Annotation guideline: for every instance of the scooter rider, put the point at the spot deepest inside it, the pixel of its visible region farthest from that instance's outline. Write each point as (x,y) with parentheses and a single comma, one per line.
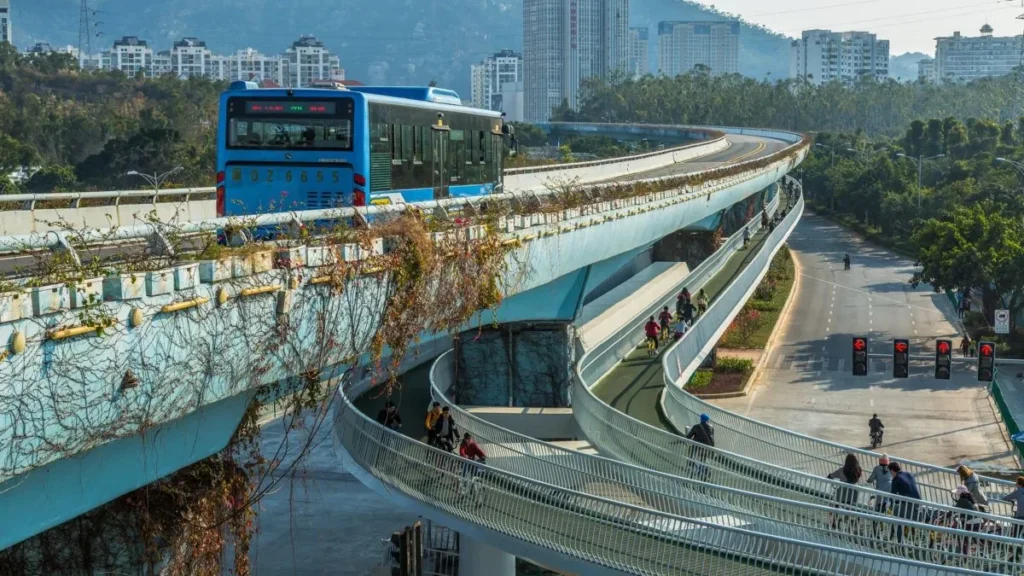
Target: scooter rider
(876,425)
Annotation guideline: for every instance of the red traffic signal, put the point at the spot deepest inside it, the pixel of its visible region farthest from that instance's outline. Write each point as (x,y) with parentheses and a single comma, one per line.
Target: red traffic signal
(943,360)
(986,349)
(859,344)
(900,358)
(860,356)
(943,347)
(901,346)
(986,361)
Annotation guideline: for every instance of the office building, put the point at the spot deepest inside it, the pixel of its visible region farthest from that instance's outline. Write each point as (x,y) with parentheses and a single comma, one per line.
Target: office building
(926,70)
(821,56)
(489,77)
(639,46)
(962,59)
(6,34)
(566,42)
(685,46)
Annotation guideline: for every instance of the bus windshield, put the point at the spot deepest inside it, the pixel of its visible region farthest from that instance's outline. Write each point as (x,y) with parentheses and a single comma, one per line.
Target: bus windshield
(290,124)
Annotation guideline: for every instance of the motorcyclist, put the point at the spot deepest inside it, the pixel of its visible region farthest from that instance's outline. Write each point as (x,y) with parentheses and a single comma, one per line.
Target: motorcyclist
(846,261)
(876,426)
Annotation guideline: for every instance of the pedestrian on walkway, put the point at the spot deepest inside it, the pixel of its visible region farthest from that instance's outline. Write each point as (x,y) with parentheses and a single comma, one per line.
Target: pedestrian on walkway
(850,473)
(433,415)
(764,219)
(973,484)
(746,237)
(1017,498)
(904,484)
(388,416)
(965,345)
(701,433)
(882,480)
(445,431)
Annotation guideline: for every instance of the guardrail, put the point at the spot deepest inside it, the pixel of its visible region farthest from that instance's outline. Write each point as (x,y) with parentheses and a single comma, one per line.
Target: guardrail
(694,493)
(601,531)
(765,442)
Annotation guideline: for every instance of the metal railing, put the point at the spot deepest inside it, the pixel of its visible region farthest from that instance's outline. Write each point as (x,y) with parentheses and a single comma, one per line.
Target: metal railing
(604,532)
(765,442)
(702,489)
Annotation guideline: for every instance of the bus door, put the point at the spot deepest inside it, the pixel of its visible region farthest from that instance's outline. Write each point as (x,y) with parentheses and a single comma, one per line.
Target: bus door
(497,159)
(439,138)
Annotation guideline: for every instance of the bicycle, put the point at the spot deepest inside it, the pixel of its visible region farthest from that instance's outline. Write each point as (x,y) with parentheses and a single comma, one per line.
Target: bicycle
(652,348)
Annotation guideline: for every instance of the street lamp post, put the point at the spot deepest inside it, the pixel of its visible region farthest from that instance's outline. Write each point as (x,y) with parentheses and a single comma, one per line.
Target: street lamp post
(920,160)
(155,180)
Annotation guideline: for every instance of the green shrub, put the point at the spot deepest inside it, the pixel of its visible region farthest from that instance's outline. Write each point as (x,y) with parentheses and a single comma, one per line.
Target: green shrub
(762,305)
(700,379)
(766,289)
(734,366)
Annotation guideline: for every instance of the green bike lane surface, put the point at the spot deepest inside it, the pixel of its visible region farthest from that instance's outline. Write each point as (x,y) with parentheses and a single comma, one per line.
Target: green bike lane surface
(634,385)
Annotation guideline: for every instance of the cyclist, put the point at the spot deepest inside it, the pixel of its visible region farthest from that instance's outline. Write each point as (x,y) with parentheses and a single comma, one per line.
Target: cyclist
(687,312)
(665,319)
(389,417)
(875,425)
(702,302)
(680,330)
(1017,498)
(651,329)
(683,298)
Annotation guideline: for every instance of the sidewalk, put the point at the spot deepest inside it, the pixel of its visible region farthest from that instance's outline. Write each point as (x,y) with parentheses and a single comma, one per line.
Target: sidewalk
(634,386)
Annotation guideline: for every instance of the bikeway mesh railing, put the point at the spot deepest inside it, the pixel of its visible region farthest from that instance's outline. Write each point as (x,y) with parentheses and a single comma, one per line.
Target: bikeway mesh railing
(601,531)
(765,442)
(694,495)
(619,435)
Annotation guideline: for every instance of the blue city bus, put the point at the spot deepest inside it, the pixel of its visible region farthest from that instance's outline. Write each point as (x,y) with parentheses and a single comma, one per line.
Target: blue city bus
(304,149)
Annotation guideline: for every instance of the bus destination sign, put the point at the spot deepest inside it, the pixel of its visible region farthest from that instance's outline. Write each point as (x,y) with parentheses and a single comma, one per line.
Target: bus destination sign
(268,107)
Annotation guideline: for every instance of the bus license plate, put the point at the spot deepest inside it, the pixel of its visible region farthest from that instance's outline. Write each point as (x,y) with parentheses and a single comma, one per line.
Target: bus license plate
(287,176)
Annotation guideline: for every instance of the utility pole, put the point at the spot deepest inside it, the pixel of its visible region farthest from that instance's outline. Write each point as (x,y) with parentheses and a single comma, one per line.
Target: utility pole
(84,33)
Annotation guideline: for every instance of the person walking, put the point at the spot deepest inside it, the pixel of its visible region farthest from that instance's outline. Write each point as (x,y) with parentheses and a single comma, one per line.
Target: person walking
(850,473)
(445,431)
(882,481)
(965,345)
(388,416)
(746,237)
(433,415)
(1017,498)
(702,302)
(973,484)
(904,484)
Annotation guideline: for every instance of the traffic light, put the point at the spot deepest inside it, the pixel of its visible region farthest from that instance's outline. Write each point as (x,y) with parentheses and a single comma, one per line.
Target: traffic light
(943,359)
(860,356)
(986,361)
(900,358)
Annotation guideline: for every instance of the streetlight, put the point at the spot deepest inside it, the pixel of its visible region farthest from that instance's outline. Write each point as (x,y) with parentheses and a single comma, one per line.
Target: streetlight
(1017,165)
(155,180)
(920,160)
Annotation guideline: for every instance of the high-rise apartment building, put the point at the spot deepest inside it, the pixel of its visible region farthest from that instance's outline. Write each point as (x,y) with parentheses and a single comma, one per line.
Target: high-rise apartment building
(684,46)
(132,56)
(5,22)
(191,58)
(926,70)
(491,74)
(566,42)
(821,56)
(309,60)
(962,59)
(639,47)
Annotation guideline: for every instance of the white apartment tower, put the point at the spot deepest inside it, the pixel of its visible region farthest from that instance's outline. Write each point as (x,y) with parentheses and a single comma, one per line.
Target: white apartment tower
(132,56)
(962,59)
(491,74)
(5,22)
(821,56)
(639,46)
(683,46)
(190,57)
(926,70)
(308,60)
(566,42)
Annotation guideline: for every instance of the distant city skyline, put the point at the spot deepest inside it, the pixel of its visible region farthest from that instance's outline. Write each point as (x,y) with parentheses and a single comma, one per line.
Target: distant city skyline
(910,25)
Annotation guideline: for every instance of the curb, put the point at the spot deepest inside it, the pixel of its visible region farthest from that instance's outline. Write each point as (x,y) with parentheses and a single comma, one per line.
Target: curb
(783,318)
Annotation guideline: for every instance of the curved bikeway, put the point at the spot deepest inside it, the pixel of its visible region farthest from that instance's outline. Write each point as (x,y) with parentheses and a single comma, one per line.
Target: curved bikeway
(741,148)
(808,386)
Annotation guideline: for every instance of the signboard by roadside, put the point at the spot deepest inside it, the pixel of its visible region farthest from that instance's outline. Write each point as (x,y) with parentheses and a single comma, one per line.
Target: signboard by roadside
(1002,321)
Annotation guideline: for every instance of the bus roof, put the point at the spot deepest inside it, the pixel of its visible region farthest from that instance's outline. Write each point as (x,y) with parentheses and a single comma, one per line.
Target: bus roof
(411,96)
(424,93)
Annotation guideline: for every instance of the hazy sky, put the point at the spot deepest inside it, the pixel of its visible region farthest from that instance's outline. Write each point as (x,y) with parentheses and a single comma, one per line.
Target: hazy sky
(909,25)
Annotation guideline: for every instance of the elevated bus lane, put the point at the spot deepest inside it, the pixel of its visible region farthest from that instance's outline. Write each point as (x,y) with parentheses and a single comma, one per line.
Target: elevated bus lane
(741,148)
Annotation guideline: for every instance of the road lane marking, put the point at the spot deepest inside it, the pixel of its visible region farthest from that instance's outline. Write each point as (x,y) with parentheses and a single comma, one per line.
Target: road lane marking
(921,308)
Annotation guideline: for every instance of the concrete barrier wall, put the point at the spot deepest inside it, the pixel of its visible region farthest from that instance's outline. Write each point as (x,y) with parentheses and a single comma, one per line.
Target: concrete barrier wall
(42,220)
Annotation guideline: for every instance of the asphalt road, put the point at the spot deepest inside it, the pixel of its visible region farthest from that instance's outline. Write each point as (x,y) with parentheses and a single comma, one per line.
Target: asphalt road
(742,148)
(808,384)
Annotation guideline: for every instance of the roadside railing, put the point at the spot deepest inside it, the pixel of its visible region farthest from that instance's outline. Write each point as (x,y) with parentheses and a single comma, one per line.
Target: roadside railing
(633,539)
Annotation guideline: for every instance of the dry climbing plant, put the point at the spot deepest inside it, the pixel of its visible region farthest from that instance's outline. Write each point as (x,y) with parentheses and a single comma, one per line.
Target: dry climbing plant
(359,315)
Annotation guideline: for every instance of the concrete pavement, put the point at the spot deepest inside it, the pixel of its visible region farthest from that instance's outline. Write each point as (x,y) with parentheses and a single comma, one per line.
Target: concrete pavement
(742,148)
(808,385)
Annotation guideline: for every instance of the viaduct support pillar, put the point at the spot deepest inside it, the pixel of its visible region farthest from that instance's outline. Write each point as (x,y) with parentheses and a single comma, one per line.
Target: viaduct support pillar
(475,557)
